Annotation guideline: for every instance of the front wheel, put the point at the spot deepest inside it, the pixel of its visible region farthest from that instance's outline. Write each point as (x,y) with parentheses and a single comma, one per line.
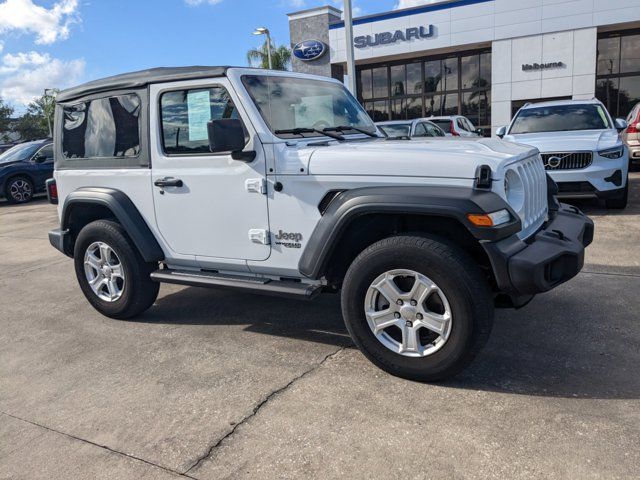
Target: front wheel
(111,272)
(417,307)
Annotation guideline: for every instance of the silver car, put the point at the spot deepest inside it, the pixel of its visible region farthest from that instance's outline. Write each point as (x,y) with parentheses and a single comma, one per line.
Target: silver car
(631,135)
(418,128)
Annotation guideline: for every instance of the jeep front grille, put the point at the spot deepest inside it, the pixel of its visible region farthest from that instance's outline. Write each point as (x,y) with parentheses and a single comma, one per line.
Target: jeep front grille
(534,180)
(567,160)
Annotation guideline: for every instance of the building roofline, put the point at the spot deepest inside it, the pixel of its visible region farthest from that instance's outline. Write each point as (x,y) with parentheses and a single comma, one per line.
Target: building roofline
(312,12)
(405,12)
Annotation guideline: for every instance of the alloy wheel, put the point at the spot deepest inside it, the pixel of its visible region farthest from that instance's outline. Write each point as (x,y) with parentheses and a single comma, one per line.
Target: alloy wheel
(104,272)
(408,313)
(20,190)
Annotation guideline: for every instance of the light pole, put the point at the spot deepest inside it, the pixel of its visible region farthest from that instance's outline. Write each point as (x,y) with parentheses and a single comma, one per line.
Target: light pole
(265,31)
(45,108)
(348,30)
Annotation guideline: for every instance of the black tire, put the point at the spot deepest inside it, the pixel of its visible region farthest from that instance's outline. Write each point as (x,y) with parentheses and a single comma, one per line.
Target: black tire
(620,202)
(139,291)
(19,190)
(458,277)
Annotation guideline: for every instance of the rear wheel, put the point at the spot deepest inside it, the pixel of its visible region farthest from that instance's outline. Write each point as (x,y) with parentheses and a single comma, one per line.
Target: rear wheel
(111,272)
(417,307)
(19,190)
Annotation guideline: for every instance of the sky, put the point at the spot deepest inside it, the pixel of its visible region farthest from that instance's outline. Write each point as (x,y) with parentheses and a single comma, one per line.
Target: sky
(61,43)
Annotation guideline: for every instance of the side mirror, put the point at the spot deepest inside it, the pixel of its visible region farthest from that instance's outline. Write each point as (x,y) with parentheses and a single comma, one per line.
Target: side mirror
(620,124)
(228,135)
(501,132)
(480,132)
(39,158)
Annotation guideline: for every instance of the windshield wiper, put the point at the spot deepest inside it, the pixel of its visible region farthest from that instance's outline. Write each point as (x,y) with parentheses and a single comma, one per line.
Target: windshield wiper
(343,128)
(302,131)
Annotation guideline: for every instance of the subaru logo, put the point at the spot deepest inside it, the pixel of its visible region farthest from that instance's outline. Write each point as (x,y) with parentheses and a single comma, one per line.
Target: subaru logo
(310,50)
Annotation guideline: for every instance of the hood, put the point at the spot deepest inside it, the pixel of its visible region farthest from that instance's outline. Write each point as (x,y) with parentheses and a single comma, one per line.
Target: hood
(429,157)
(581,140)
(6,163)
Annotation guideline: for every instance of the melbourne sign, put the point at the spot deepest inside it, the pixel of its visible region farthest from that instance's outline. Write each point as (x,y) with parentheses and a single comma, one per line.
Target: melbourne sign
(529,67)
(386,38)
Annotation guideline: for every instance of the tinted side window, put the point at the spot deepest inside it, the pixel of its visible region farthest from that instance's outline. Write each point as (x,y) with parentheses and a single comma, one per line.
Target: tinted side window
(433,131)
(420,131)
(102,128)
(185,115)
(47,153)
(462,125)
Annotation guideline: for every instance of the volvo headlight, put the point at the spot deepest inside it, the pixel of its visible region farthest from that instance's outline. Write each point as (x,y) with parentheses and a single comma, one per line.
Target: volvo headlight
(612,153)
(514,190)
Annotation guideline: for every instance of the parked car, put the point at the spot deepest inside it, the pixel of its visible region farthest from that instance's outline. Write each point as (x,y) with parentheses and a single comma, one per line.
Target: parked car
(631,135)
(457,126)
(24,169)
(278,183)
(580,145)
(418,128)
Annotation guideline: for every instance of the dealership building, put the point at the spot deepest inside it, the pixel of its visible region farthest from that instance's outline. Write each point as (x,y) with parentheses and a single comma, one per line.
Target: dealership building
(480,58)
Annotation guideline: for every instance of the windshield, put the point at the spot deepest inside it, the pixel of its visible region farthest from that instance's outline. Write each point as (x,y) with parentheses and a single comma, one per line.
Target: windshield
(398,130)
(561,118)
(19,152)
(287,103)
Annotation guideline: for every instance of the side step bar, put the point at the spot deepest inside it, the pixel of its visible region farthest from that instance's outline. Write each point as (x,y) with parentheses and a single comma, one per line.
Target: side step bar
(248,284)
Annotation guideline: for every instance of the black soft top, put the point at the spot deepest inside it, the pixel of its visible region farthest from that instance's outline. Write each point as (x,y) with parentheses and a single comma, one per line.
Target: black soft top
(141,79)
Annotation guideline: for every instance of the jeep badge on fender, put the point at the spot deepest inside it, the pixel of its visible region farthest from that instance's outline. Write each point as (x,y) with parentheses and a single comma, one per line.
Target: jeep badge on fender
(417,245)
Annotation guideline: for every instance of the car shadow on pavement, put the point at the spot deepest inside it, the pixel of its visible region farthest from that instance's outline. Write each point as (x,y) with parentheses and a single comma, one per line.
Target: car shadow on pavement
(319,321)
(566,353)
(596,207)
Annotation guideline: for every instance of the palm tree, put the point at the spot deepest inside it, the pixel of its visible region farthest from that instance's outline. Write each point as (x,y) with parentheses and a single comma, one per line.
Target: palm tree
(280,57)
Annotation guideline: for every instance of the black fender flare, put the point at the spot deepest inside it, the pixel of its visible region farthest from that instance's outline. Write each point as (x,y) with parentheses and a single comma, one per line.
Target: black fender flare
(451,202)
(123,210)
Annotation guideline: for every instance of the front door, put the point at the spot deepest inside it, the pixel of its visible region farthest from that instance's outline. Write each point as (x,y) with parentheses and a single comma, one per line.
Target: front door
(206,204)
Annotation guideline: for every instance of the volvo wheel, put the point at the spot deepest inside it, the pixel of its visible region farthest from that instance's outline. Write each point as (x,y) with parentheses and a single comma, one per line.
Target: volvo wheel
(19,190)
(417,307)
(112,274)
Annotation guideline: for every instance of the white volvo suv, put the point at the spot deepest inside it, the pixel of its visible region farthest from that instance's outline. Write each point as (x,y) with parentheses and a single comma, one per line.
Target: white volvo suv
(580,146)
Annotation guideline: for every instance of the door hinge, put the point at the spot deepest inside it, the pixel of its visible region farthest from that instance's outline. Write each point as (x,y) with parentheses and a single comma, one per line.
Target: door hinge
(256,185)
(260,236)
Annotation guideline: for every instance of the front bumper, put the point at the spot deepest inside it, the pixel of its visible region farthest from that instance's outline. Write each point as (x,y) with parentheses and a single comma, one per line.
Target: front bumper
(549,258)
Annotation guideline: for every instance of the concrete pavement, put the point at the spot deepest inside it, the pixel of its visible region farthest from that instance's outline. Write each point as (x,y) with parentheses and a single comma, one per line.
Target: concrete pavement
(216,384)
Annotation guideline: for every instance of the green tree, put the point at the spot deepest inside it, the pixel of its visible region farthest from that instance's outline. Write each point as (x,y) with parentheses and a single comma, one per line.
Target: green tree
(6,113)
(280,57)
(35,122)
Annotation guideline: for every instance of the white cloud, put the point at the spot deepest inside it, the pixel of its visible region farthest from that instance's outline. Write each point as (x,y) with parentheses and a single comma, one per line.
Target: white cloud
(414,3)
(202,2)
(47,24)
(26,75)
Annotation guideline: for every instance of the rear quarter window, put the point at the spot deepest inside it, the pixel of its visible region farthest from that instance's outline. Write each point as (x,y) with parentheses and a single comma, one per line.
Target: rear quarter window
(102,128)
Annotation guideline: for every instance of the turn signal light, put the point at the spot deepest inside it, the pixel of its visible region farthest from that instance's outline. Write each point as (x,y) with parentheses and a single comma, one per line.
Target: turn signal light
(489,219)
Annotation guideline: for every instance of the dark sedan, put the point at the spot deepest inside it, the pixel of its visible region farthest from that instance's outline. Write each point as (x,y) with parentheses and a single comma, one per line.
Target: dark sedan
(24,169)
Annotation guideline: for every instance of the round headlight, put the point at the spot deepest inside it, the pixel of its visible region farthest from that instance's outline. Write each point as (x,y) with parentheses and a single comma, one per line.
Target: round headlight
(514,190)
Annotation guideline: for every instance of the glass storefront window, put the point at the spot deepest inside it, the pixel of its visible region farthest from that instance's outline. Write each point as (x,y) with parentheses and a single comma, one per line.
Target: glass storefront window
(414,78)
(470,71)
(609,56)
(451,85)
(630,54)
(366,85)
(618,77)
(398,80)
(380,82)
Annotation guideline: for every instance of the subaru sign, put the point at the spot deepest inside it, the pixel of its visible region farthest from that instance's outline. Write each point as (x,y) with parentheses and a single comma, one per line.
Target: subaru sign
(386,38)
(310,50)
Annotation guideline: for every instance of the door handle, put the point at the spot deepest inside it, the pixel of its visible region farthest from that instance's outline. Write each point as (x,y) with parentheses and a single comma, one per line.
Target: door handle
(168,182)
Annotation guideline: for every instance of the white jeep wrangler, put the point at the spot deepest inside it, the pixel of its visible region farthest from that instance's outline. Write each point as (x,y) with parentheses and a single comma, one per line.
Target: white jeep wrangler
(279,183)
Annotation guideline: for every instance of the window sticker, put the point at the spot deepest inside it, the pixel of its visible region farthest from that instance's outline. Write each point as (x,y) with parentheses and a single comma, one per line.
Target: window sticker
(199,108)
